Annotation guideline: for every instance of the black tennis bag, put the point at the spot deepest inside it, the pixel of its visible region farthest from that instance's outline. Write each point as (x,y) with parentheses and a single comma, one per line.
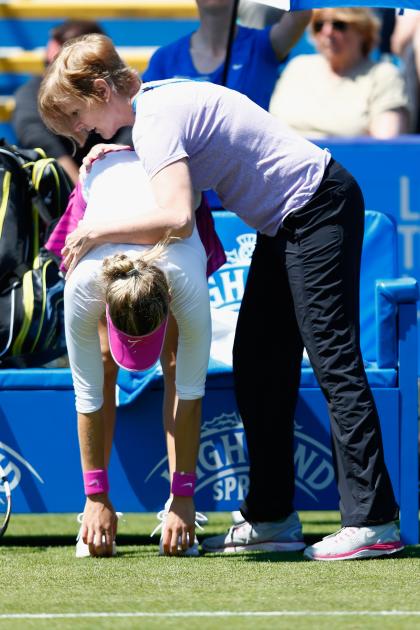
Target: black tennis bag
(34,191)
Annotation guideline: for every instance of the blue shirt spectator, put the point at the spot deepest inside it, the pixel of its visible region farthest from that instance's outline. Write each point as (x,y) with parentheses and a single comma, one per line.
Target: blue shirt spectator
(253,68)
(255,55)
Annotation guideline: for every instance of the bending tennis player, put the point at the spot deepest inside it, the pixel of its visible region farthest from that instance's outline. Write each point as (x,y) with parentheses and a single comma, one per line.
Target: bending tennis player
(135,287)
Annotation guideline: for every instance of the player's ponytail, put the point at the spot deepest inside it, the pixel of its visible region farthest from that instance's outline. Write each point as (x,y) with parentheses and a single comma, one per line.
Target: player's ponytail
(136,290)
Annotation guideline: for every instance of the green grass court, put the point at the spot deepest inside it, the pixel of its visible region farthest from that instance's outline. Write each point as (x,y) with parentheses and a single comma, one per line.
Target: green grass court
(39,575)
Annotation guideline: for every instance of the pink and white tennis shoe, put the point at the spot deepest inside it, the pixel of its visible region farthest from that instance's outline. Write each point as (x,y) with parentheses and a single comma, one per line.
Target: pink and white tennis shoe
(352,543)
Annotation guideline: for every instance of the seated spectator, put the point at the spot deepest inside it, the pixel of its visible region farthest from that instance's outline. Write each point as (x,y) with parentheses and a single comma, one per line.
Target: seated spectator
(405,42)
(255,56)
(26,121)
(341,91)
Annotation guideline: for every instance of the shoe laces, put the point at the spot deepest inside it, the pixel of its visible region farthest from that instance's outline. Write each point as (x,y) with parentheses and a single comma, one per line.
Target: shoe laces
(245,527)
(80,516)
(341,534)
(200,519)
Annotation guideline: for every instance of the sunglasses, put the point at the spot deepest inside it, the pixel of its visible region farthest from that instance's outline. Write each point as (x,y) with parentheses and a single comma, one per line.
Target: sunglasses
(337,25)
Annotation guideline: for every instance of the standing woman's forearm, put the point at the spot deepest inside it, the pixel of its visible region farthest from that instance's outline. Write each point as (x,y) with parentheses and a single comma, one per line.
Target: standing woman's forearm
(146,229)
(173,215)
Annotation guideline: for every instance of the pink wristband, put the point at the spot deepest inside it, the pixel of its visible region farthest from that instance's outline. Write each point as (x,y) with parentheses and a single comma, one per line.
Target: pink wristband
(96,482)
(183,484)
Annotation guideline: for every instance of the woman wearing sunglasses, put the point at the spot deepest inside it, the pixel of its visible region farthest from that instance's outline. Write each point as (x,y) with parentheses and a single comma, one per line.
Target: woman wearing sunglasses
(340,91)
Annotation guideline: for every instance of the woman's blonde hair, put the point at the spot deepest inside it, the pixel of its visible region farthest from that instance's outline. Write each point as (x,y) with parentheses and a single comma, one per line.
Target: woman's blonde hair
(361,18)
(71,76)
(136,291)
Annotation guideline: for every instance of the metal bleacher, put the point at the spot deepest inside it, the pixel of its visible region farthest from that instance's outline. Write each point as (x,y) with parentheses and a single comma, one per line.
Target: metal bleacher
(137,27)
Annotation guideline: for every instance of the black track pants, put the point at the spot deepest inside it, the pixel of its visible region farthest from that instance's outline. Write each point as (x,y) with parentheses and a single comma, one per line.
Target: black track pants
(303,290)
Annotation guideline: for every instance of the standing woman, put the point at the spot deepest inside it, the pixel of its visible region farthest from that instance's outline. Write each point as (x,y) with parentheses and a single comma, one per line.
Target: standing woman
(303,282)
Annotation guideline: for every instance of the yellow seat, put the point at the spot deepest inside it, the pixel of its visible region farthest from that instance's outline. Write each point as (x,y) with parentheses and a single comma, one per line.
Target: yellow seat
(96,9)
(19,61)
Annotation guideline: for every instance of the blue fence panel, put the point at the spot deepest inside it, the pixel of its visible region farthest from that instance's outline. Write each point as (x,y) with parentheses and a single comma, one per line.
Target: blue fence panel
(40,454)
(388,173)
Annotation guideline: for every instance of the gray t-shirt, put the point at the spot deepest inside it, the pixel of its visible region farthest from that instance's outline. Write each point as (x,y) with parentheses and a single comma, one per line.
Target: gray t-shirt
(260,169)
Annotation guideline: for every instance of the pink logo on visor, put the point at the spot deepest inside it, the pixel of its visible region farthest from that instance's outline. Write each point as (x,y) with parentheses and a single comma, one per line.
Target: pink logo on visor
(136,354)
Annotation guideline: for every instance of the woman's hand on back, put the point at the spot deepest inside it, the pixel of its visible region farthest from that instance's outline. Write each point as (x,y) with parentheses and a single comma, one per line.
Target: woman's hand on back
(97,153)
(78,243)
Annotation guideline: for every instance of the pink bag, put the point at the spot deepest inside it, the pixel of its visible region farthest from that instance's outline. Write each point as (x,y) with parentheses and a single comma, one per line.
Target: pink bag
(216,256)
(68,222)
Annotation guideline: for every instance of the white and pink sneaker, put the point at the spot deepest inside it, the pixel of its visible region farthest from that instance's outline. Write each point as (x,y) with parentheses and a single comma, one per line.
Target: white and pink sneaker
(352,543)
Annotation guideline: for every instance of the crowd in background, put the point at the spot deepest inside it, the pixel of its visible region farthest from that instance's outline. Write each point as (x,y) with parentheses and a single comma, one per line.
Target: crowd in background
(362,78)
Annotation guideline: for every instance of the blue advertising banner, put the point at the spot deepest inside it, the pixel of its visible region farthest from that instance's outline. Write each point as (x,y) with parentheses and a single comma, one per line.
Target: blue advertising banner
(38,442)
(388,174)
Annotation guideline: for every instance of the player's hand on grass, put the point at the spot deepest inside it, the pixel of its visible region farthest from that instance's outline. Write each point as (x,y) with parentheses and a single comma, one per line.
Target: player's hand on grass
(99,525)
(180,526)
(97,153)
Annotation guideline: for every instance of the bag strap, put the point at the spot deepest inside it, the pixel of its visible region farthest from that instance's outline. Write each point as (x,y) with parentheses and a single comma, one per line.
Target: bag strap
(22,156)
(40,205)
